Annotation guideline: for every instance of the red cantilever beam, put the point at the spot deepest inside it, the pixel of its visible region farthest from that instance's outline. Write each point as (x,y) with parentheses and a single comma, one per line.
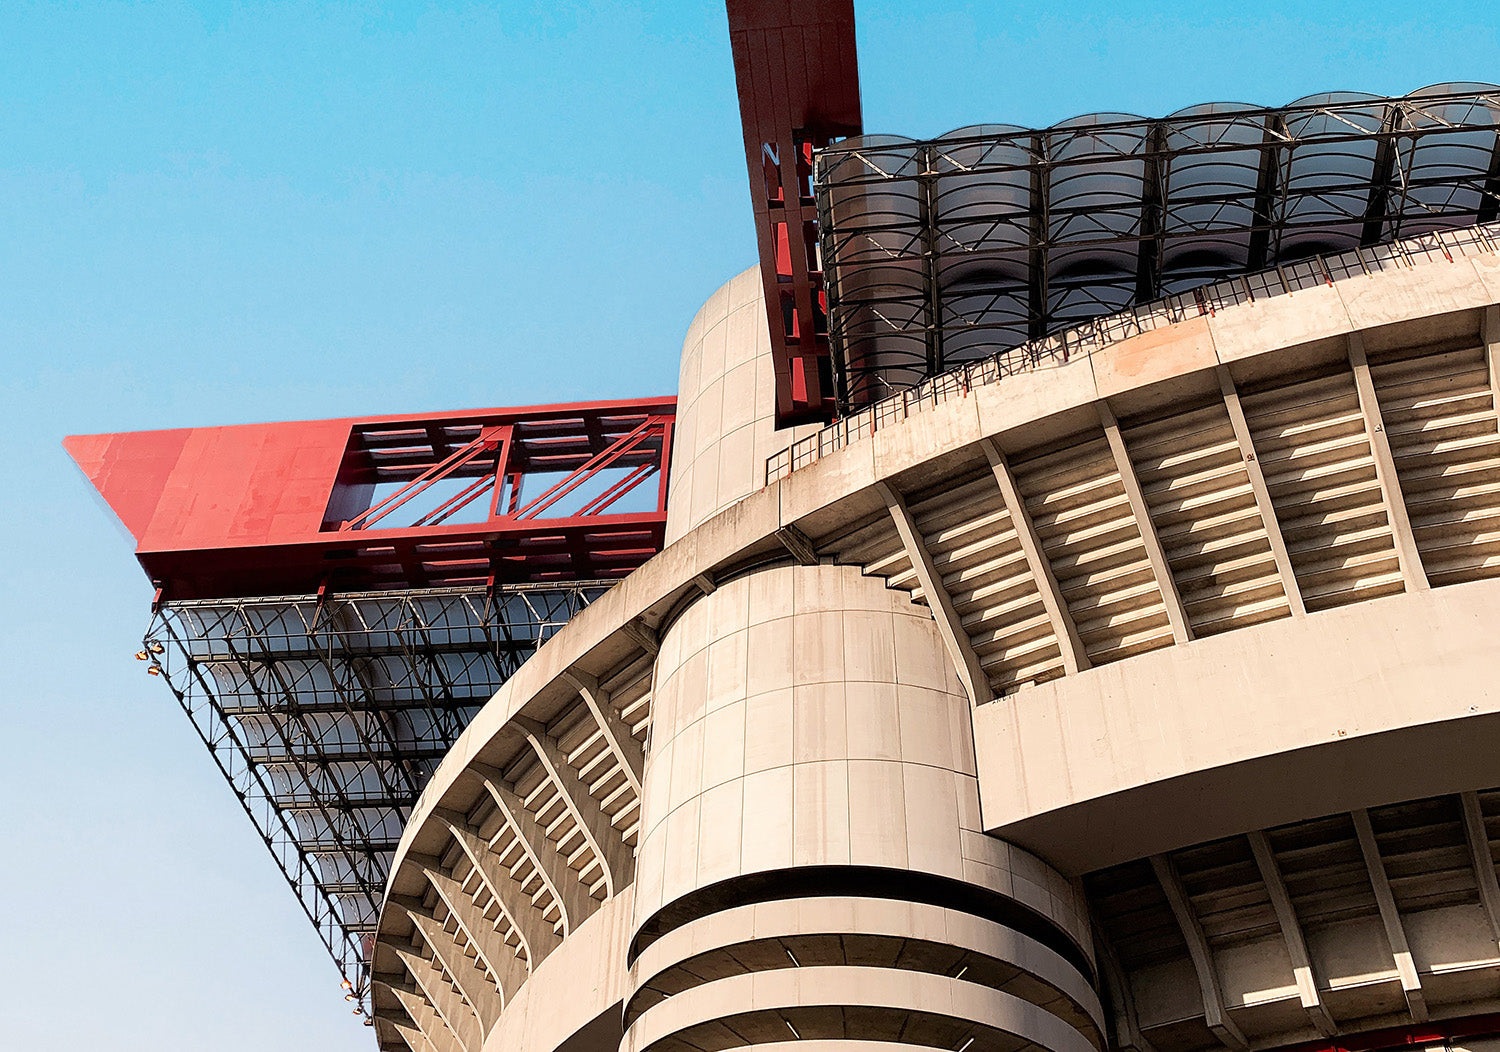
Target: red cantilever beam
(259,509)
(598,462)
(488,439)
(797,75)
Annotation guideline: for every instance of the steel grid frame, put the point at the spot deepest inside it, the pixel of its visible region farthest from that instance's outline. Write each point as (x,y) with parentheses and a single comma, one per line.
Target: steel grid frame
(327,715)
(1094,335)
(473,499)
(946,251)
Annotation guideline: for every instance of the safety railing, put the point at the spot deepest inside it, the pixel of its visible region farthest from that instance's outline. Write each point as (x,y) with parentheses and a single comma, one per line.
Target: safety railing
(1081,341)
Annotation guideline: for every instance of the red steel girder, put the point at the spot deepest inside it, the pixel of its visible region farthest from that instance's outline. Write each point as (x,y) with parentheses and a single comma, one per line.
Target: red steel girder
(289,508)
(617,451)
(490,439)
(797,75)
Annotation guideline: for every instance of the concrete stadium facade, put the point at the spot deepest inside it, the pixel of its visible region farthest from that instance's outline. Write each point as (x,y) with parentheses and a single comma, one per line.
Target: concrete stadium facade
(1143,700)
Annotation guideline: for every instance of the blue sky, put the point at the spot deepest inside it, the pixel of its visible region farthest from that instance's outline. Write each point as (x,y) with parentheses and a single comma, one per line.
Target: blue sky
(219,213)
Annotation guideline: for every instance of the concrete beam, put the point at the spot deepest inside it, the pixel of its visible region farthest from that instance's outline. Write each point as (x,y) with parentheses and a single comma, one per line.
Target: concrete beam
(1407,554)
(603,838)
(498,956)
(413,1036)
(626,750)
(1489,335)
(565,885)
(1074,657)
(1484,862)
(1395,932)
(1222,1026)
(643,634)
(431,1026)
(1263,502)
(1291,933)
(798,543)
(450,1006)
(1182,632)
(536,935)
(960,648)
(481,994)
(1127,1030)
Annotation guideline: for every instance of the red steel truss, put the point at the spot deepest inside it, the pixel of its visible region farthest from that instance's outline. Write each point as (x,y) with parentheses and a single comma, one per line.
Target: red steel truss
(482,498)
(798,80)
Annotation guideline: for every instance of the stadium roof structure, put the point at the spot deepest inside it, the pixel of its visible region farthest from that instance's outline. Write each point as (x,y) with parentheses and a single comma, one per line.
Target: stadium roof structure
(335,599)
(797,72)
(887,260)
(939,252)
(479,498)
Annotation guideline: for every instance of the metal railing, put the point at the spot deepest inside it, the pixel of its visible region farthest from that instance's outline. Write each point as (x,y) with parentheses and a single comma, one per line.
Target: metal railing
(1081,341)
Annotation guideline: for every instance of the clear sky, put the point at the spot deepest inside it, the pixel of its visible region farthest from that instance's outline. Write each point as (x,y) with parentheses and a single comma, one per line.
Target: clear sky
(220,213)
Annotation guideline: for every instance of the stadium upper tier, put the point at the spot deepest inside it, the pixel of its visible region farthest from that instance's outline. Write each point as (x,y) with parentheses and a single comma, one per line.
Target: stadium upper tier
(1140,701)
(941,251)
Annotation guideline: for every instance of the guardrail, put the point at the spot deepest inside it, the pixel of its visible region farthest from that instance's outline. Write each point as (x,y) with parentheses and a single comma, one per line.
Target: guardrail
(1099,333)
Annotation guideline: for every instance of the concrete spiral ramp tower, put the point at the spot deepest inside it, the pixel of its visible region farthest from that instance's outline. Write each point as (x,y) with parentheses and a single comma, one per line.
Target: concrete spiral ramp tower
(812,865)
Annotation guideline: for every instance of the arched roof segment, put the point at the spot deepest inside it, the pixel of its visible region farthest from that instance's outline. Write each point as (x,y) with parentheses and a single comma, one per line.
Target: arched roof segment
(945,250)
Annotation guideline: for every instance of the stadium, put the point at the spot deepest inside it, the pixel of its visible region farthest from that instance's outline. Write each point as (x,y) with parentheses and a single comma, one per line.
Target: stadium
(1054,613)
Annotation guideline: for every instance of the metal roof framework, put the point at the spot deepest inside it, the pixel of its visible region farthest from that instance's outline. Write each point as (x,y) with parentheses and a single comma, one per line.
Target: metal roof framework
(336,599)
(944,251)
(796,71)
(469,499)
(327,716)
(1095,334)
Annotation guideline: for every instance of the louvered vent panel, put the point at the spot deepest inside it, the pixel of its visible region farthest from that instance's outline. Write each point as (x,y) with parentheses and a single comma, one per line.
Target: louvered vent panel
(1083,519)
(1439,412)
(1315,454)
(974,547)
(1193,476)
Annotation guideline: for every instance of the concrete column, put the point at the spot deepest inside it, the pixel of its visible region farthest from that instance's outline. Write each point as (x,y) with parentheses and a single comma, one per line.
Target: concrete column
(810,839)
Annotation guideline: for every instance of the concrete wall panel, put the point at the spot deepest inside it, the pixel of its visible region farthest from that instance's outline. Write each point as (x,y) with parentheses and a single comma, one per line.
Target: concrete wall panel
(1313,706)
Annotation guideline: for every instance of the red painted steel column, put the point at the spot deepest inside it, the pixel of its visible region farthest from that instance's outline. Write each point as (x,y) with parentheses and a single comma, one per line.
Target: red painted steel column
(798,79)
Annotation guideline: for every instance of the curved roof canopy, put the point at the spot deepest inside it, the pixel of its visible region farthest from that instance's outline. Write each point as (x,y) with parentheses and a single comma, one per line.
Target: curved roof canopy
(942,251)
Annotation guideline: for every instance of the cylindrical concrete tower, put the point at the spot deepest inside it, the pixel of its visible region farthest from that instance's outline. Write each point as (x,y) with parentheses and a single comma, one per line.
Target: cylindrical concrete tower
(811,862)
(726,407)
(812,865)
